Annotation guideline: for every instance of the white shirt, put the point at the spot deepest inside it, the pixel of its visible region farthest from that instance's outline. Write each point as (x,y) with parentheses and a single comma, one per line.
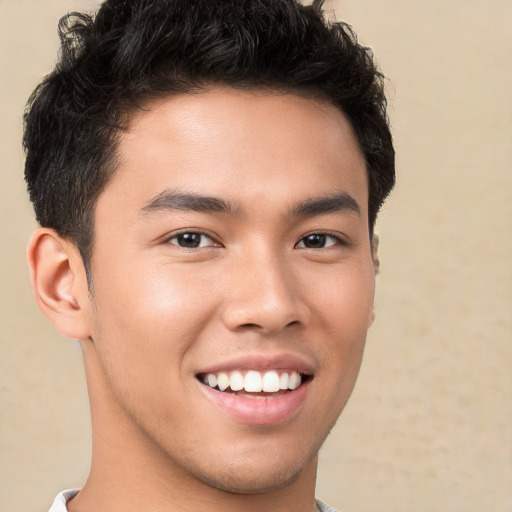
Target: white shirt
(59,504)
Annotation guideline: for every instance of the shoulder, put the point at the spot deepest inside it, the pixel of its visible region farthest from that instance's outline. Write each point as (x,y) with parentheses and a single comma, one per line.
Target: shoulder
(59,504)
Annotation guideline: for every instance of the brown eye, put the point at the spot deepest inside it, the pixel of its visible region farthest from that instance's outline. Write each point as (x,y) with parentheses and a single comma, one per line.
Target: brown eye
(191,240)
(317,241)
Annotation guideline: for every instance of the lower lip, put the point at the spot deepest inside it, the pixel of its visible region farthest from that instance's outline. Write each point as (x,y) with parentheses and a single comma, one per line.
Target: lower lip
(259,411)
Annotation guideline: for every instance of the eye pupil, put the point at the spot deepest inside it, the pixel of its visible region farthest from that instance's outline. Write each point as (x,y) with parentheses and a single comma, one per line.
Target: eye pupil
(189,240)
(315,241)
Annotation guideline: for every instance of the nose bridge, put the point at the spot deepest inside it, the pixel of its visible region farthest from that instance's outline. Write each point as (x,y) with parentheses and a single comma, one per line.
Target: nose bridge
(263,292)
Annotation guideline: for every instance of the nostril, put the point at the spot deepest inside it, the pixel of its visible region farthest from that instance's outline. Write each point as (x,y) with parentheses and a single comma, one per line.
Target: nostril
(269,311)
(250,326)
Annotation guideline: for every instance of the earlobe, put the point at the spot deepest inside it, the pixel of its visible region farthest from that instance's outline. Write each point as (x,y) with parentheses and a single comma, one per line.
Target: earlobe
(59,282)
(372,317)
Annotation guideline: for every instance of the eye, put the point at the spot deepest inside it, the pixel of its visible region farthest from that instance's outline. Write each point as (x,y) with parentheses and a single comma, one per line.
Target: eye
(191,240)
(318,241)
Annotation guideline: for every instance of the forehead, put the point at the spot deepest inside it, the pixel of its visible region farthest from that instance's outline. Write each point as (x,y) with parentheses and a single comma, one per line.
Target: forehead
(245,143)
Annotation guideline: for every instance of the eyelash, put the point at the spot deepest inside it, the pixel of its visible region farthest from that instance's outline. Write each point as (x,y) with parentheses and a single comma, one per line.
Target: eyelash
(201,234)
(336,240)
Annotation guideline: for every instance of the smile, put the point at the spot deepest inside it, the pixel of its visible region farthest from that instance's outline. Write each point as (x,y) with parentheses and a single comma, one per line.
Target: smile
(254,382)
(258,390)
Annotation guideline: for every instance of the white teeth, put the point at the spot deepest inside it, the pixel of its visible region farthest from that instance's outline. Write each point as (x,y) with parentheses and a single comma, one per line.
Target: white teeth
(270,382)
(283,381)
(294,382)
(223,381)
(254,381)
(236,381)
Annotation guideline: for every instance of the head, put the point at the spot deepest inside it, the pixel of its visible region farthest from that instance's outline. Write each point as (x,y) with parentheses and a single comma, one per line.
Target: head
(218,168)
(130,52)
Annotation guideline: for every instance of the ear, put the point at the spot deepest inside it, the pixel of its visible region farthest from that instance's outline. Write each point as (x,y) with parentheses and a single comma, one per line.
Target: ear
(376,269)
(59,281)
(375,253)
(371,319)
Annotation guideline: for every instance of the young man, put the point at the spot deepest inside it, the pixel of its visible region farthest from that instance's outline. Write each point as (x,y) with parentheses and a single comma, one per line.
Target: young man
(207,175)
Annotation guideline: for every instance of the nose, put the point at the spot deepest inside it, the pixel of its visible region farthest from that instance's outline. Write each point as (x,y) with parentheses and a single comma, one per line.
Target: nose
(265,295)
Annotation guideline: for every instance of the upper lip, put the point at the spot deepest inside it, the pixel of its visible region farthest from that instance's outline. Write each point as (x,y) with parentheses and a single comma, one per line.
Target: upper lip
(261,362)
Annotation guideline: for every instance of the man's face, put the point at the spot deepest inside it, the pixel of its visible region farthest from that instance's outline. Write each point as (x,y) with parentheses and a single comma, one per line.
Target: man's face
(232,245)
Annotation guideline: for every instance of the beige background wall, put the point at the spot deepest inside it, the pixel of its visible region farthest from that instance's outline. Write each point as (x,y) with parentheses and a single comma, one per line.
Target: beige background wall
(429,427)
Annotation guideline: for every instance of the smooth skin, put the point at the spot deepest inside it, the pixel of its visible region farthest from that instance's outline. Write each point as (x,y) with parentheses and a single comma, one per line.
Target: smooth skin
(177,290)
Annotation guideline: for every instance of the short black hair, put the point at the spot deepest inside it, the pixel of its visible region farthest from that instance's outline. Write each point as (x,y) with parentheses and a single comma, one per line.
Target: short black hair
(134,50)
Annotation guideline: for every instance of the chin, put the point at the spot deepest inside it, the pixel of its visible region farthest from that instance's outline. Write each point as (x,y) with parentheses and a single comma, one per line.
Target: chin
(257,471)
(250,480)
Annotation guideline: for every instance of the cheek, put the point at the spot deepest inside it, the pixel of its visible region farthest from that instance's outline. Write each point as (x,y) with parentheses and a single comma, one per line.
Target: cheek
(343,314)
(343,300)
(146,323)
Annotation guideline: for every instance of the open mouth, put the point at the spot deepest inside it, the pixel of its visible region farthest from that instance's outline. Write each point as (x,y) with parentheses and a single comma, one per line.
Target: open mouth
(254,383)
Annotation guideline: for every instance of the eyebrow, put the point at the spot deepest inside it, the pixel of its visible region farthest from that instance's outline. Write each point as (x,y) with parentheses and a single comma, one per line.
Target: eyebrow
(332,203)
(169,200)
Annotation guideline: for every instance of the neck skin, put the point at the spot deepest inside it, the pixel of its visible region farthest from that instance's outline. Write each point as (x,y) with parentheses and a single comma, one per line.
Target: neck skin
(128,473)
